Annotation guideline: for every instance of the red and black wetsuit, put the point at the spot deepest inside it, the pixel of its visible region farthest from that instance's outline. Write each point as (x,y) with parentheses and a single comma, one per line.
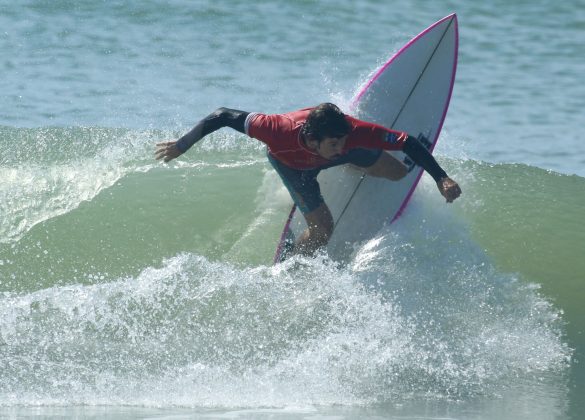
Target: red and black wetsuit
(297,165)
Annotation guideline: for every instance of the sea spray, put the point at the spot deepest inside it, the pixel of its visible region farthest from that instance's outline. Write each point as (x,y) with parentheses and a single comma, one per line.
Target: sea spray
(415,320)
(47,172)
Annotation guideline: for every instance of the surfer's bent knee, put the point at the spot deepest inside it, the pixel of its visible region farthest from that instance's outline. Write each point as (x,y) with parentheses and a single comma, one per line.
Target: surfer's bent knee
(387,167)
(399,172)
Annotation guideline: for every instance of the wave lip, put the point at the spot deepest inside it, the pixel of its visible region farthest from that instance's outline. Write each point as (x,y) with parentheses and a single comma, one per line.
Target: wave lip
(55,169)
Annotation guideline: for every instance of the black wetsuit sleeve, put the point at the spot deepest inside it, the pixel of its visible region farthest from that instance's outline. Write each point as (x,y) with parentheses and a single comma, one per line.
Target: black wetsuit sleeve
(222,117)
(423,158)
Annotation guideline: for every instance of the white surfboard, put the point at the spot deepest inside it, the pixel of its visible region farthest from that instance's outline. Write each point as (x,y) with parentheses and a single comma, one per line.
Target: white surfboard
(411,93)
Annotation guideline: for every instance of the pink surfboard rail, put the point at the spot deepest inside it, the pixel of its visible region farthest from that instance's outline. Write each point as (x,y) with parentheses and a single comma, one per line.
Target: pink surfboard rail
(452,16)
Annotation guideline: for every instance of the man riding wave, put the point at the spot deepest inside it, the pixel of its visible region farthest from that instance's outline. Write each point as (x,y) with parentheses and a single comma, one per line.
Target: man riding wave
(303,143)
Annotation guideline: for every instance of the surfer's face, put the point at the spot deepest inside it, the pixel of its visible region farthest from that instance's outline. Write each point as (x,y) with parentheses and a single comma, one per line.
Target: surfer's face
(331,147)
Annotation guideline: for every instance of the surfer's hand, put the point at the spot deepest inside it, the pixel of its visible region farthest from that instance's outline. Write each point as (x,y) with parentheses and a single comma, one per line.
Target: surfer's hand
(167,150)
(449,189)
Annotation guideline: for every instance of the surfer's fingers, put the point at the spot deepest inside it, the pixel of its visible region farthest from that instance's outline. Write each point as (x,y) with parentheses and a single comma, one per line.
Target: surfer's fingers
(165,157)
(452,193)
(161,151)
(448,187)
(167,150)
(166,143)
(163,154)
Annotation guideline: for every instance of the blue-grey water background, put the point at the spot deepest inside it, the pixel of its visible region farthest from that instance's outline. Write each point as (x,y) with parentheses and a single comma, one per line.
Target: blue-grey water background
(129,288)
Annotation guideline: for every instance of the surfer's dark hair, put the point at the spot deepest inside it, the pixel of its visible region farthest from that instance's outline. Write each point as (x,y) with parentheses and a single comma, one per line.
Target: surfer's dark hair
(326,120)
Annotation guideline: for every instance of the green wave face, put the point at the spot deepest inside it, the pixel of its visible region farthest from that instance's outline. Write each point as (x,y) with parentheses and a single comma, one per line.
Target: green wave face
(123,279)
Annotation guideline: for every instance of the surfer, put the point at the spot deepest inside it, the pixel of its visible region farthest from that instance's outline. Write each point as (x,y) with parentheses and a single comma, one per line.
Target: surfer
(302,143)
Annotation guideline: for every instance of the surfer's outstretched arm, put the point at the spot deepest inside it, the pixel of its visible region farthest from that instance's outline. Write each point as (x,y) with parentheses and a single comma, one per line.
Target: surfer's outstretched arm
(423,158)
(221,117)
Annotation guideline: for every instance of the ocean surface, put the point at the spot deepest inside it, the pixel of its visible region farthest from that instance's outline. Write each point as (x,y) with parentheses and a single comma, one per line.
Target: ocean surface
(134,289)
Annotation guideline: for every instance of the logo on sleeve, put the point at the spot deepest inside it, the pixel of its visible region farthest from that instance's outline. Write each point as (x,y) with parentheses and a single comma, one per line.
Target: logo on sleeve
(392,138)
